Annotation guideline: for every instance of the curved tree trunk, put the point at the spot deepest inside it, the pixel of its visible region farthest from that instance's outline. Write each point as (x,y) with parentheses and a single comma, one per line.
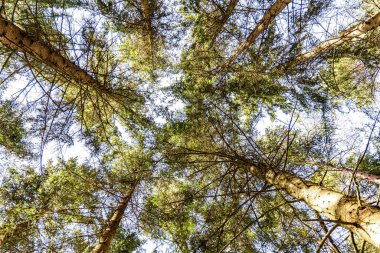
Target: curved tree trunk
(363,220)
(14,38)
(268,17)
(113,223)
(349,34)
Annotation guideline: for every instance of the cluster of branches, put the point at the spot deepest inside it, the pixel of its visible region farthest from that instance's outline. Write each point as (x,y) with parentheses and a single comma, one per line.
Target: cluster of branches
(206,179)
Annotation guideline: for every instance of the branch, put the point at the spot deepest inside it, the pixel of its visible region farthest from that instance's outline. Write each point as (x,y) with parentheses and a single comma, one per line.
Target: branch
(14,38)
(268,17)
(354,32)
(326,237)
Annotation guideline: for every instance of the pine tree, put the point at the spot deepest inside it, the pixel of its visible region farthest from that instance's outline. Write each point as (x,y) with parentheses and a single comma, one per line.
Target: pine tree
(204,177)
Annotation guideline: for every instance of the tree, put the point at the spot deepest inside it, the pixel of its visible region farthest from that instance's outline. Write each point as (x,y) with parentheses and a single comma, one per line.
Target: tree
(36,207)
(360,219)
(16,39)
(226,165)
(12,130)
(268,17)
(207,176)
(352,33)
(144,28)
(112,226)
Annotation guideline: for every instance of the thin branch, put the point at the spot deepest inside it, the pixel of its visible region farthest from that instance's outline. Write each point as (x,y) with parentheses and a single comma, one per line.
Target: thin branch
(326,237)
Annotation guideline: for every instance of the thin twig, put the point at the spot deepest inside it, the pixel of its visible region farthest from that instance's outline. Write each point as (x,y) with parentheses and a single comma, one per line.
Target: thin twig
(325,238)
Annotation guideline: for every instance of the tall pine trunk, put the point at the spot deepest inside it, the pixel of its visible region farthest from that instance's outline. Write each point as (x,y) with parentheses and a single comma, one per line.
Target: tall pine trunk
(112,225)
(147,12)
(14,38)
(226,15)
(268,17)
(364,220)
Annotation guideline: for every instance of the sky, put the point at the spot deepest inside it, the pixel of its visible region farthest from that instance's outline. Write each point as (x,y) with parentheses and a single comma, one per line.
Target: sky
(351,120)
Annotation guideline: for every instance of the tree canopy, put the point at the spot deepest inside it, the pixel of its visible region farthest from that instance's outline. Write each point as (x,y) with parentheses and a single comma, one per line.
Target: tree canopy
(189,126)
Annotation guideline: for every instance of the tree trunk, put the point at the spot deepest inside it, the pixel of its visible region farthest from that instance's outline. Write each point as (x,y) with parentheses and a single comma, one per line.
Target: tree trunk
(226,15)
(16,39)
(147,13)
(358,174)
(363,220)
(351,33)
(268,17)
(113,223)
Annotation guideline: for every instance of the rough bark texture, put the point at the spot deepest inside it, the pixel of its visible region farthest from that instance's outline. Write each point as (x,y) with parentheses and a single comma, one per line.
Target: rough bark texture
(268,17)
(113,223)
(360,219)
(351,33)
(12,37)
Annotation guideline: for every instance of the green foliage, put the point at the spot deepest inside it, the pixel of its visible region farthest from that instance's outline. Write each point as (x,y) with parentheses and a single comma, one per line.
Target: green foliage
(200,172)
(125,242)
(20,210)
(12,132)
(62,195)
(144,43)
(370,162)
(348,78)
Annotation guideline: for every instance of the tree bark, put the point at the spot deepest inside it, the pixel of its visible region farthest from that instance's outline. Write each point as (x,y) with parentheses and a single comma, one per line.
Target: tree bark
(113,223)
(14,38)
(363,220)
(226,15)
(147,13)
(268,17)
(354,32)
